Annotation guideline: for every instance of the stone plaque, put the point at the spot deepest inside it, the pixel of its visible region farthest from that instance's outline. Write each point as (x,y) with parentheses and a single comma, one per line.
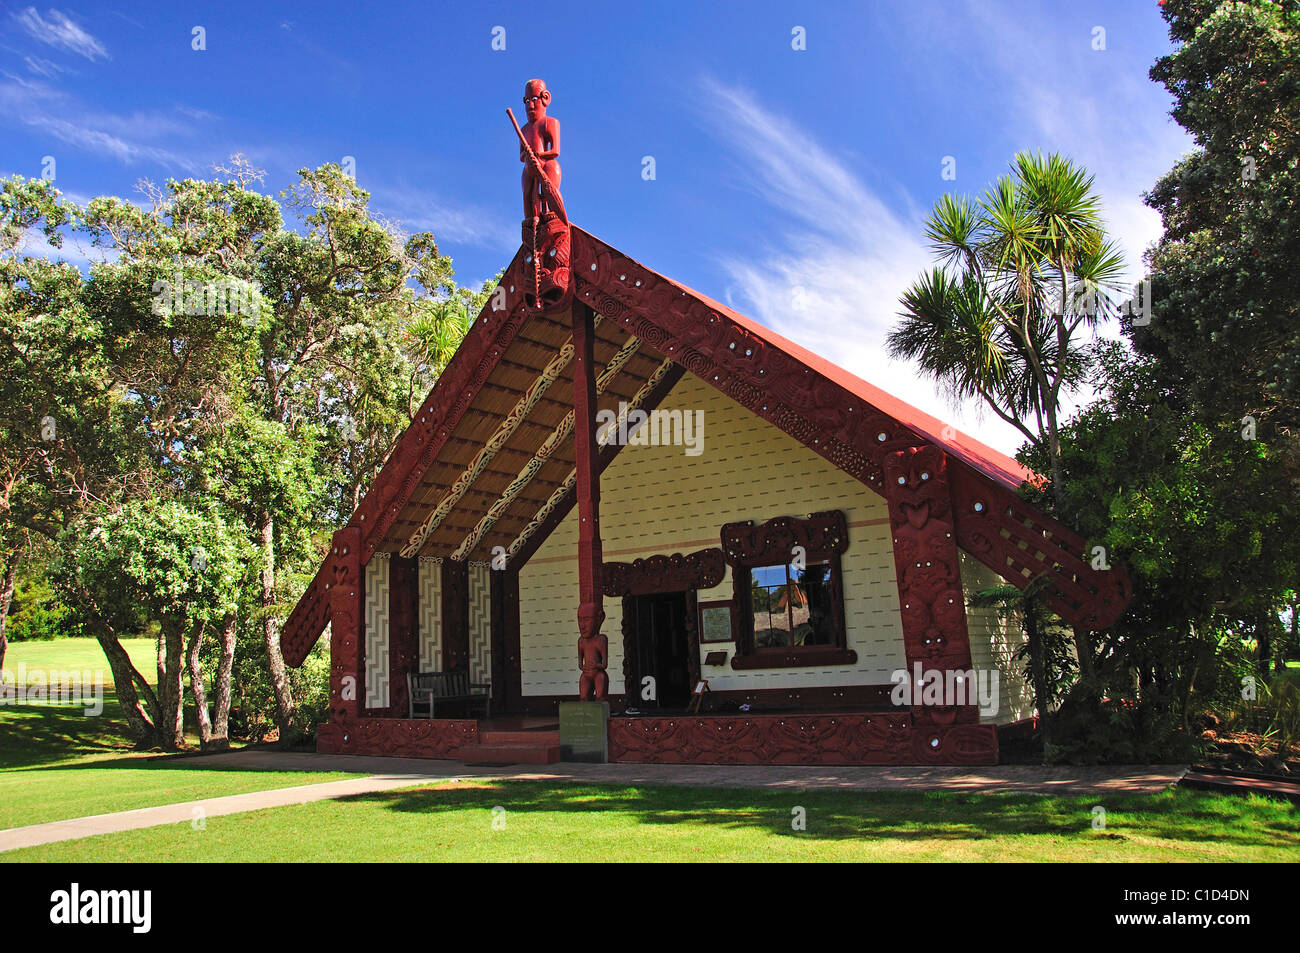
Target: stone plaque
(584,731)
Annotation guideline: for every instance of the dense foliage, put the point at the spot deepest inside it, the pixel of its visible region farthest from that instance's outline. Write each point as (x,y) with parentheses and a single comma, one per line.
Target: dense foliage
(182,427)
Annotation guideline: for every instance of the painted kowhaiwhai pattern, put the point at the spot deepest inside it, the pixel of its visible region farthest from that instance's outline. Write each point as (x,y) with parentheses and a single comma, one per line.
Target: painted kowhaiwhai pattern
(548,447)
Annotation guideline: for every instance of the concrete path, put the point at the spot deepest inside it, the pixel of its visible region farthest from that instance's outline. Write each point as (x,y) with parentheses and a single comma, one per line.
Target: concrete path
(1004,779)
(386,774)
(189,811)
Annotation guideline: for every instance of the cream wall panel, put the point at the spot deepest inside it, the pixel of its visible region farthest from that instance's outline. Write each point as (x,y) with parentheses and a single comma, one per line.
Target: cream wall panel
(992,643)
(661,500)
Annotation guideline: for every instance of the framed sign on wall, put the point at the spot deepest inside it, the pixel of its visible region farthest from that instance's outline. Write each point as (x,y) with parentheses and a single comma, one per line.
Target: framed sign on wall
(715,621)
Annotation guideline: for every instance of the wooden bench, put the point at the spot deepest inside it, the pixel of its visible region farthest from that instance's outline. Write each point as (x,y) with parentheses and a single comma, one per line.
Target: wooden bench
(427,689)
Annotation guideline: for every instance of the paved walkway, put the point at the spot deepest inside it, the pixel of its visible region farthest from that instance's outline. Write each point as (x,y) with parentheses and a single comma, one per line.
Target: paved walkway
(386,774)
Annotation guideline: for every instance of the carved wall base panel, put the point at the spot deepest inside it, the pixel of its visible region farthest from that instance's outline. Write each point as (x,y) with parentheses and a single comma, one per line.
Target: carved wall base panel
(399,737)
(878,738)
(403,632)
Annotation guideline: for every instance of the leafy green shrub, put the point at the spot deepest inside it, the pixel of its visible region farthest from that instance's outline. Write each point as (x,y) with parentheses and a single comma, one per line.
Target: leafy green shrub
(35,614)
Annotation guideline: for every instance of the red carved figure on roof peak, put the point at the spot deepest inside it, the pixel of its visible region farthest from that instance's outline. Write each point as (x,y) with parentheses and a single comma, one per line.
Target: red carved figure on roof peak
(542,135)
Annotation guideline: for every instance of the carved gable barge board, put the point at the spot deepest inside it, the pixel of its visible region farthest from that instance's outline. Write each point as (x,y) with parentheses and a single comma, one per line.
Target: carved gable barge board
(765,375)
(484,343)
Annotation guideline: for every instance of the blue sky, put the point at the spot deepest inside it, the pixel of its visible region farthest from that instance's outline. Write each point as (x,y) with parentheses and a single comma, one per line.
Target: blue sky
(788,183)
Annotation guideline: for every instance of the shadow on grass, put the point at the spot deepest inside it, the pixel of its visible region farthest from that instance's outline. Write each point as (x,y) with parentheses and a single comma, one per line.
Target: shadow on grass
(895,815)
(55,736)
(32,735)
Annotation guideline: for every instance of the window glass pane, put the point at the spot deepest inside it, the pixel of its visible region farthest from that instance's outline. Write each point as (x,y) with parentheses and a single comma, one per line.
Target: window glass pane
(769,593)
(813,619)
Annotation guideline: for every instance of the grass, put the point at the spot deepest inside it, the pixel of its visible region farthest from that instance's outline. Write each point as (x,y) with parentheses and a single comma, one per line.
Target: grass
(80,655)
(57,763)
(546,821)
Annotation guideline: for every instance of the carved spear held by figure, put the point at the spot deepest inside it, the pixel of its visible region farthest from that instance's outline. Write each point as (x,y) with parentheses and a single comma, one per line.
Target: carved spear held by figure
(549,191)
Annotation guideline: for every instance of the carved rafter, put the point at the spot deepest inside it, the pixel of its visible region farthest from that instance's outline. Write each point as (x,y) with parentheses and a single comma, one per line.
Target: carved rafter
(549,375)
(566,487)
(544,453)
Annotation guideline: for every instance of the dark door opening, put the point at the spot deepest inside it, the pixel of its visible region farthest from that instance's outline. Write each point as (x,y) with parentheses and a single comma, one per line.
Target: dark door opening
(660,651)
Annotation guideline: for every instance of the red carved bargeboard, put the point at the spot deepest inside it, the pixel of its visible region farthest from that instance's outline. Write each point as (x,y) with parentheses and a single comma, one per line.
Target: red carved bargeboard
(840,738)
(487,339)
(839,425)
(398,737)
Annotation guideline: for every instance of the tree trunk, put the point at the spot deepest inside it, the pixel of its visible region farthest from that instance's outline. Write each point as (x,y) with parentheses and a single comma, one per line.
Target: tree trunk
(1264,640)
(196,685)
(1279,658)
(284,705)
(171,727)
(6,599)
(221,684)
(139,718)
(1038,670)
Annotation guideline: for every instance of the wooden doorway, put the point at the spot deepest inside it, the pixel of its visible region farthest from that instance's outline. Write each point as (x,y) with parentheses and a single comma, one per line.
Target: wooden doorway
(658,645)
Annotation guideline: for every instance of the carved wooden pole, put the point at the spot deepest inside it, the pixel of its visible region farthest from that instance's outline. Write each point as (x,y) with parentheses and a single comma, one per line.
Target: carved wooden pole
(347,619)
(593,647)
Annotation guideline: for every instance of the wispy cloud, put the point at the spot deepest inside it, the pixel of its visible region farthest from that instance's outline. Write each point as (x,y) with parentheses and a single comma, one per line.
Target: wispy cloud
(42,67)
(833,280)
(60,32)
(418,209)
(130,138)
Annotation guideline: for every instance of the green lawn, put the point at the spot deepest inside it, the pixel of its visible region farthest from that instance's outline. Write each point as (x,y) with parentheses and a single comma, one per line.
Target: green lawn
(80,655)
(56,762)
(543,821)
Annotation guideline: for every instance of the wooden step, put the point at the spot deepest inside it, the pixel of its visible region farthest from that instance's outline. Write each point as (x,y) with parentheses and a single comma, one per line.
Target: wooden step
(542,738)
(509,754)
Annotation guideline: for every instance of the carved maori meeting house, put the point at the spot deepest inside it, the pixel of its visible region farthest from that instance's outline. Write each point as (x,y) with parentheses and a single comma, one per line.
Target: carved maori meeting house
(779,529)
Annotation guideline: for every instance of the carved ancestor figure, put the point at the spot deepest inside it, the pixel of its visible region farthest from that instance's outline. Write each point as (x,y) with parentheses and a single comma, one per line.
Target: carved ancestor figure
(548,279)
(593,653)
(542,135)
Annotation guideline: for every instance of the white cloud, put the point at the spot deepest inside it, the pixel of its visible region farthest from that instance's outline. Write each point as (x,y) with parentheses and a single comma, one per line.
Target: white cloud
(61,33)
(832,283)
(833,280)
(131,138)
(419,209)
(42,67)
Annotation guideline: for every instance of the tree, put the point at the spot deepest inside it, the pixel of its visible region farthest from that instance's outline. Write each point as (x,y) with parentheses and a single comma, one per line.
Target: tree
(1224,339)
(220,364)
(163,560)
(1024,271)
